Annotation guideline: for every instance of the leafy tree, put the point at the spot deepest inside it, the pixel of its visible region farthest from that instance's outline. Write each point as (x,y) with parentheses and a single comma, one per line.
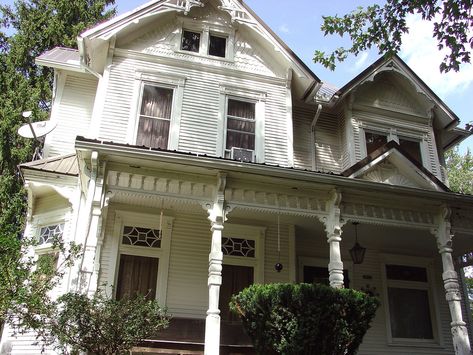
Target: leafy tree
(460,171)
(382,26)
(27,29)
(101,325)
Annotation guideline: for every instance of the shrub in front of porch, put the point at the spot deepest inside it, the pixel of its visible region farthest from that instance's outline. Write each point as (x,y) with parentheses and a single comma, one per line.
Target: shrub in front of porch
(304,318)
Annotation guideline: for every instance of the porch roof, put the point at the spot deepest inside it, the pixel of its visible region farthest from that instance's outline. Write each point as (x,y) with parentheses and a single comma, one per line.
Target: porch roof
(63,164)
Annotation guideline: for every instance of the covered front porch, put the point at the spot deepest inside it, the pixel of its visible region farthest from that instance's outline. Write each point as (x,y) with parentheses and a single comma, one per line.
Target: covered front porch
(301,220)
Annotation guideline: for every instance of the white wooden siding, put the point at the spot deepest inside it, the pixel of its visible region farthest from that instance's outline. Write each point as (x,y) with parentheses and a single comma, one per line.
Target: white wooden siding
(327,144)
(200,107)
(302,119)
(72,112)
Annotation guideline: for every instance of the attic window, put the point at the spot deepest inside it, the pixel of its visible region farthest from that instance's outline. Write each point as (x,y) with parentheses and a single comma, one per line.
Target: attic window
(412,148)
(217,46)
(190,41)
(374,141)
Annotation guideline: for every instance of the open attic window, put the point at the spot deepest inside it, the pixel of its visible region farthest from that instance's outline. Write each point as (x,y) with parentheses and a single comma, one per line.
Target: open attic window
(217,46)
(374,141)
(190,41)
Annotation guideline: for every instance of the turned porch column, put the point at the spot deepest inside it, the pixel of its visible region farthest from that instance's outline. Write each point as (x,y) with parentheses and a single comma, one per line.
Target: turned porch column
(333,228)
(212,321)
(461,342)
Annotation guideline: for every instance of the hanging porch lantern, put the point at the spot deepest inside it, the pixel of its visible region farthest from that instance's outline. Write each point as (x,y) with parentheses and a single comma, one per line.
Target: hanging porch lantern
(357,253)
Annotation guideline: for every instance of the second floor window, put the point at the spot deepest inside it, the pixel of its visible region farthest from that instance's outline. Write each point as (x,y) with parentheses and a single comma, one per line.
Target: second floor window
(155,117)
(412,148)
(240,135)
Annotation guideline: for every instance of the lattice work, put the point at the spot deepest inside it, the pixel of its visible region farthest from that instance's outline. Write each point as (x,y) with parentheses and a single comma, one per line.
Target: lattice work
(238,247)
(142,237)
(49,233)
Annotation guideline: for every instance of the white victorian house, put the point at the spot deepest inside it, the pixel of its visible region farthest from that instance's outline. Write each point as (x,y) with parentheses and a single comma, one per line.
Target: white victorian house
(194,150)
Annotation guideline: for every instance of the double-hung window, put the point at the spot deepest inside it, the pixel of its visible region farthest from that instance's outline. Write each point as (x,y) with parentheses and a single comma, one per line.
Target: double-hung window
(241,124)
(158,110)
(155,116)
(409,303)
(240,134)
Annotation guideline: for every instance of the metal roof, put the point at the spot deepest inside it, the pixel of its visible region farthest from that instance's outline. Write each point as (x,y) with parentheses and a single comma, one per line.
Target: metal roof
(60,55)
(64,164)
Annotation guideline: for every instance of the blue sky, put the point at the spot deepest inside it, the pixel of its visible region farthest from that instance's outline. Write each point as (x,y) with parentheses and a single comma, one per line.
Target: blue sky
(298,24)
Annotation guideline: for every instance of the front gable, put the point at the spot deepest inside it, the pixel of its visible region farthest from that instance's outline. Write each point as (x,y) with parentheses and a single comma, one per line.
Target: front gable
(163,38)
(393,166)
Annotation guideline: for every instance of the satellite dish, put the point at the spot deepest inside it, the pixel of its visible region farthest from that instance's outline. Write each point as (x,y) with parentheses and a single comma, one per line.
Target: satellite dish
(36,129)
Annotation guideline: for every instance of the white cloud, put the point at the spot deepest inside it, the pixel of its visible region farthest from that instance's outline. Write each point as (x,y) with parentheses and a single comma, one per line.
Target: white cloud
(419,50)
(284,28)
(360,61)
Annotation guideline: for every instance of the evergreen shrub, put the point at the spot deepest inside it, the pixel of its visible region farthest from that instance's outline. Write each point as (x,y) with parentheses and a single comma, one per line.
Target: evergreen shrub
(304,318)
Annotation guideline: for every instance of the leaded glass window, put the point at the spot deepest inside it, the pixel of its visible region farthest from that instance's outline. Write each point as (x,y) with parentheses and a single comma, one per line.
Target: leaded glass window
(142,237)
(238,247)
(49,234)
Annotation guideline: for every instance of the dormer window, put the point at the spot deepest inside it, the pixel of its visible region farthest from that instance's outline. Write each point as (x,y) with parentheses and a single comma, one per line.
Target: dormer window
(374,141)
(190,41)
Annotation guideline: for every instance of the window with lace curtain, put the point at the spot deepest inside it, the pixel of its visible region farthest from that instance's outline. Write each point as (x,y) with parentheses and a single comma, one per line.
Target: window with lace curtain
(155,116)
(240,135)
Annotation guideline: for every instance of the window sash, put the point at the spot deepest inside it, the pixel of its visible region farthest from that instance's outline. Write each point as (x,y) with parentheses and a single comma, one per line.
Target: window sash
(155,117)
(241,124)
(137,275)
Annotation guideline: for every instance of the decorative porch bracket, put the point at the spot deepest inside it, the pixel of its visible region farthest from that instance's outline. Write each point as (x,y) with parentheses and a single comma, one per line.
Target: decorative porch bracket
(461,342)
(217,217)
(333,227)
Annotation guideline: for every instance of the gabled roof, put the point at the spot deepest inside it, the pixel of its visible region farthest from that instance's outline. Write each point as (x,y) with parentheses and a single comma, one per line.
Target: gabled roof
(412,170)
(94,42)
(64,165)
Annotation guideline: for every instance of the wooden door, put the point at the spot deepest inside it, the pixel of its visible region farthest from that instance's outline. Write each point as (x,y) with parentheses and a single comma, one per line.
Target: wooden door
(234,279)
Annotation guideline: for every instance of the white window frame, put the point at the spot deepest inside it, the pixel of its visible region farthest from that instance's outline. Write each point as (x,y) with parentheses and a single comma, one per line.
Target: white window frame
(429,286)
(162,80)
(47,219)
(393,134)
(241,94)
(252,233)
(127,218)
(322,262)
(205,29)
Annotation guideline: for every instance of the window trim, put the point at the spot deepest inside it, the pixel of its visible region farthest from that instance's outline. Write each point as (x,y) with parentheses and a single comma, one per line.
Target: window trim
(47,219)
(162,80)
(430,286)
(146,220)
(241,94)
(393,134)
(247,232)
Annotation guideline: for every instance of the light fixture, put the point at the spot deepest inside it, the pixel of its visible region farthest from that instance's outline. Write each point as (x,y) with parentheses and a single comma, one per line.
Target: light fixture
(357,253)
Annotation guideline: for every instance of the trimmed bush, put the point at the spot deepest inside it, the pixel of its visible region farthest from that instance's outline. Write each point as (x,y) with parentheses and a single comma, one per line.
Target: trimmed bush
(304,318)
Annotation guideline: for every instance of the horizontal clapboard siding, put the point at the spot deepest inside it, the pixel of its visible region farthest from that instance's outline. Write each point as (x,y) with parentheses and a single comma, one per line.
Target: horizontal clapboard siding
(200,107)
(302,119)
(327,144)
(73,114)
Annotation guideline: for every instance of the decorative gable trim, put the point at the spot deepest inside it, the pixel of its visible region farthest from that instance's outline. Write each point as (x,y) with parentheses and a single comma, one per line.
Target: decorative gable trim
(402,160)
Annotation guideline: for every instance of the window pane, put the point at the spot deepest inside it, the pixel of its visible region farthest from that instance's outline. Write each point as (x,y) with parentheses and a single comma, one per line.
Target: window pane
(156,102)
(241,109)
(320,275)
(409,313)
(234,279)
(412,148)
(50,234)
(240,140)
(137,275)
(190,41)
(144,237)
(374,141)
(238,247)
(406,273)
(241,125)
(217,46)
(153,132)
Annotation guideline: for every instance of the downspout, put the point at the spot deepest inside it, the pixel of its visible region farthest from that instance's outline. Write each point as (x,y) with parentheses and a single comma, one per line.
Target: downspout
(312,135)
(88,205)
